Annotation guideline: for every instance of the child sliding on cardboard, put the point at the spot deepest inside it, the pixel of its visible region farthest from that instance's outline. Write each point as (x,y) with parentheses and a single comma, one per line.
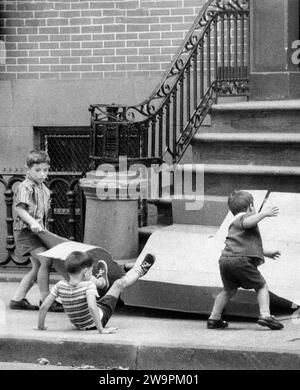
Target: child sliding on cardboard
(79,295)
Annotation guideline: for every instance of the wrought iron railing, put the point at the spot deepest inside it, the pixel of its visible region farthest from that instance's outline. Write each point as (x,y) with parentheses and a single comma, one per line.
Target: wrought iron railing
(66,215)
(213,61)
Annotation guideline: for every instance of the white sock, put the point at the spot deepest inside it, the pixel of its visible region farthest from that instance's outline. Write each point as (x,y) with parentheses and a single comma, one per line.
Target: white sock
(214,316)
(265,313)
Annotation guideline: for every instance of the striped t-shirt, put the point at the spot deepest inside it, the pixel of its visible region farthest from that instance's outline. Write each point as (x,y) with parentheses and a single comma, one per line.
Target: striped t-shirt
(74,301)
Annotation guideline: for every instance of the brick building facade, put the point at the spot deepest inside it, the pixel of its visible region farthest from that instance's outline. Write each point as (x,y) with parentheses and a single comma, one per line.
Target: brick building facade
(55,39)
(59,56)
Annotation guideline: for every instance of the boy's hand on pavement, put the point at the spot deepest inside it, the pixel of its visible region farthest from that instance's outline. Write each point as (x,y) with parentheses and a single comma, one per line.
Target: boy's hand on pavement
(271,211)
(109,330)
(36,227)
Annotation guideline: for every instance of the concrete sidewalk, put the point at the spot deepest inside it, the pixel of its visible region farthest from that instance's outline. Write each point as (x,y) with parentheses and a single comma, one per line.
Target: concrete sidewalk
(146,339)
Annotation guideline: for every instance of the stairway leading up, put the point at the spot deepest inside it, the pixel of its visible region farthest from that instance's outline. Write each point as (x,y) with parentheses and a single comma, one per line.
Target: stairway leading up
(252,145)
(249,145)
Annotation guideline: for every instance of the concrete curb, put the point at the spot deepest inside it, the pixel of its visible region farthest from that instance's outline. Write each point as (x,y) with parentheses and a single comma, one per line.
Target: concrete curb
(68,353)
(143,357)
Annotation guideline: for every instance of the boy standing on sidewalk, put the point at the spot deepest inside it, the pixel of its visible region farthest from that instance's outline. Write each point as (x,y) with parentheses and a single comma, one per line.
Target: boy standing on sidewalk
(79,295)
(242,254)
(31,204)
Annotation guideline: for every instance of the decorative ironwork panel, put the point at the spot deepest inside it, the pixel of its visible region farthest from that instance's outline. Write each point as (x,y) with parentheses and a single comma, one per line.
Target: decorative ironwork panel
(213,61)
(68,148)
(66,216)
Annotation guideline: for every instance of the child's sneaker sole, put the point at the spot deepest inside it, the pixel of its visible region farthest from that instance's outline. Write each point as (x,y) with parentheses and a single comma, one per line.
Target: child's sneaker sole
(270,322)
(101,271)
(147,263)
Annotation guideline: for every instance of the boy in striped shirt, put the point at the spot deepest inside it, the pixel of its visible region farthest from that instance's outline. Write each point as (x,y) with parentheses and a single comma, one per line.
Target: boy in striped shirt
(79,295)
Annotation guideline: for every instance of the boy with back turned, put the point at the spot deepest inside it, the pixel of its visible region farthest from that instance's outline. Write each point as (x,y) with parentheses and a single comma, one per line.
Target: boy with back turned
(239,260)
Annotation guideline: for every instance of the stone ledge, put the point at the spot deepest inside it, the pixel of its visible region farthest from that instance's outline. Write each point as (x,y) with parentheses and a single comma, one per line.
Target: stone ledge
(234,169)
(15,276)
(268,105)
(148,230)
(278,138)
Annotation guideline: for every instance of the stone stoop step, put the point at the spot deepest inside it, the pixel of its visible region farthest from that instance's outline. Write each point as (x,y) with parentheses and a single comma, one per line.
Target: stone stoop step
(256,117)
(251,148)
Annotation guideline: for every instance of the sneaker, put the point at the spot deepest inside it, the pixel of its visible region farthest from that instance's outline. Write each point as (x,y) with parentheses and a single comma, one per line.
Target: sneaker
(270,322)
(22,305)
(216,324)
(147,264)
(102,272)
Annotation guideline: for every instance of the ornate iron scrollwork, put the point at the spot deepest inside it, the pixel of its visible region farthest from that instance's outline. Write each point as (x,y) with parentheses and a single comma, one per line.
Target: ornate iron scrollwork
(214,11)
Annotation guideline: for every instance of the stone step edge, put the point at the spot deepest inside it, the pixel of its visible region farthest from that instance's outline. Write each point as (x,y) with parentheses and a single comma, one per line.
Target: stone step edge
(270,138)
(268,105)
(167,200)
(146,231)
(234,169)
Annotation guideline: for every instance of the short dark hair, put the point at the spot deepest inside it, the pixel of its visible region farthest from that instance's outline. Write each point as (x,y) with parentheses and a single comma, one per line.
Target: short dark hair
(239,201)
(77,261)
(37,157)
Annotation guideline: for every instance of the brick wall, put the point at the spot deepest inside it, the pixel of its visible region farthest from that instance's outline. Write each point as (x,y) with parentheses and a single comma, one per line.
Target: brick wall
(78,39)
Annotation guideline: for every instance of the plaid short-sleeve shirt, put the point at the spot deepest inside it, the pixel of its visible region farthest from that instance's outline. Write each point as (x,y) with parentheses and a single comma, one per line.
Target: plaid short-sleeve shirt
(36,197)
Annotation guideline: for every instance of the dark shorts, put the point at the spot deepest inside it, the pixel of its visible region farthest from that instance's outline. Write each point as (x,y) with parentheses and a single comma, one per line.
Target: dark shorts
(240,272)
(26,241)
(108,305)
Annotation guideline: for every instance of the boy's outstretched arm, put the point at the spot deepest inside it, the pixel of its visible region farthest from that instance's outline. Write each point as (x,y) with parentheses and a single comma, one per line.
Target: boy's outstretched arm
(272,254)
(91,299)
(252,220)
(44,310)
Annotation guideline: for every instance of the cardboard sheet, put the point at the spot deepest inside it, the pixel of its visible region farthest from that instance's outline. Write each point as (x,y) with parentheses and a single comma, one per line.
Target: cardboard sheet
(187,261)
(283,233)
(60,248)
(62,251)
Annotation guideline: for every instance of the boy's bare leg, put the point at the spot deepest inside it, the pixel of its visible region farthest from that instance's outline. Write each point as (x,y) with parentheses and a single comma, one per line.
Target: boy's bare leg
(43,272)
(265,318)
(131,276)
(220,302)
(263,299)
(28,281)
